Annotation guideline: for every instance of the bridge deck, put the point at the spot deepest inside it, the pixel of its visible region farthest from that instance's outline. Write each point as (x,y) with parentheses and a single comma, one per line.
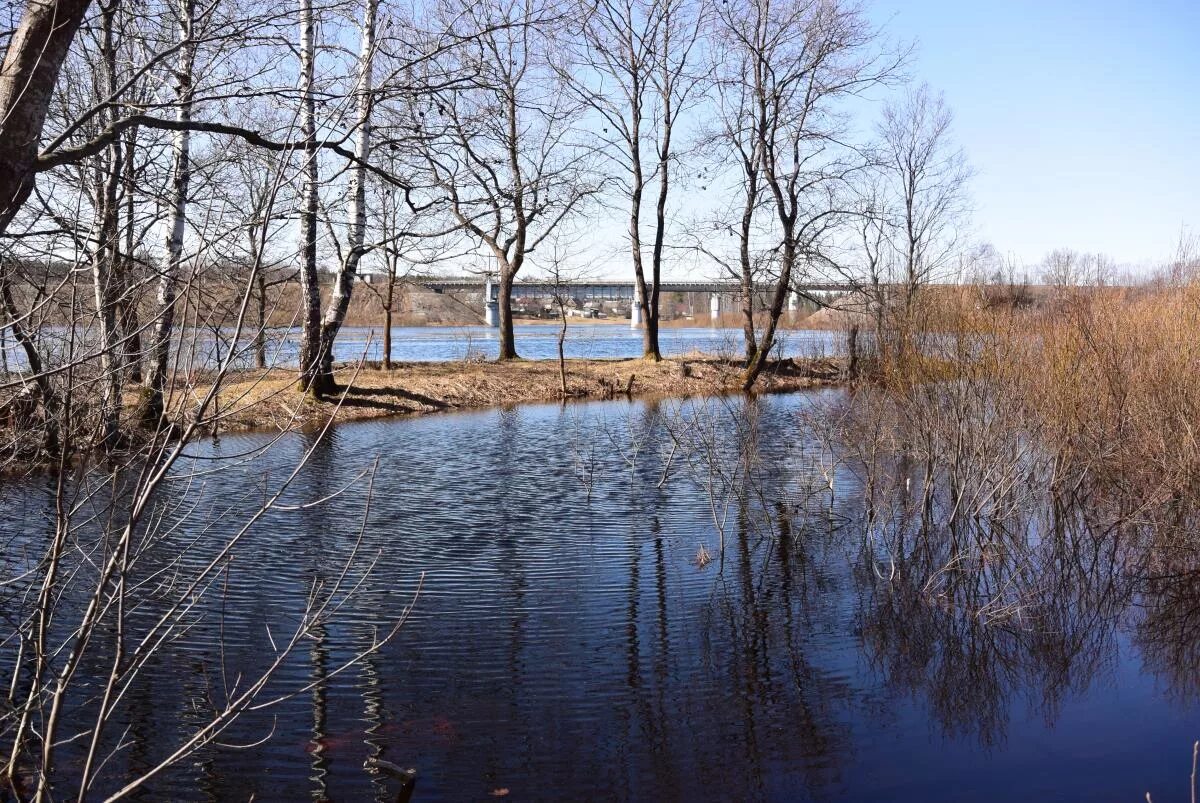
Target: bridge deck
(606,289)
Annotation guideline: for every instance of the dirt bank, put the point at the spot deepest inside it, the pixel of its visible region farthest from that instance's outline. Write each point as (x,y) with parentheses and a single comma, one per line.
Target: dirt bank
(270,400)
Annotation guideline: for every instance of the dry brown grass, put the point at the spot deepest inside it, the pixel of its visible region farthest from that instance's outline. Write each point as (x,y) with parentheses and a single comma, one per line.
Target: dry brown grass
(1106,380)
(1116,384)
(270,400)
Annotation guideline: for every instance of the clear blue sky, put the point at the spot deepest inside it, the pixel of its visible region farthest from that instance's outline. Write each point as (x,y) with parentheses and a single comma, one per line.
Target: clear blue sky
(1082,119)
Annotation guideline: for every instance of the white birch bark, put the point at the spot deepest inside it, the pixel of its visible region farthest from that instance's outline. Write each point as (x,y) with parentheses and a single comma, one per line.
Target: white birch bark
(181,179)
(310,345)
(343,283)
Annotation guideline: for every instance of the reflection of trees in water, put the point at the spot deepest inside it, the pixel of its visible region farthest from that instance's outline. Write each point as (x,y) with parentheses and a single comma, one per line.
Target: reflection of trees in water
(1167,604)
(973,610)
(375,714)
(769,667)
(754,654)
(319,695)
(969,589)
(987,570)
(319,527)
(650,672)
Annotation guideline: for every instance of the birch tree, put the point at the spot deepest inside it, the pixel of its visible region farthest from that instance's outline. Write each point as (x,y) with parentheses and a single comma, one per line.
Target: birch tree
(343,280)
(104,252)
(310,289)
(181,178)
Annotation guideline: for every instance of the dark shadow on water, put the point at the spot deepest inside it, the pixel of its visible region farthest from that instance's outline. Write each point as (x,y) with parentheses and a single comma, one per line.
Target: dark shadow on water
(365,397)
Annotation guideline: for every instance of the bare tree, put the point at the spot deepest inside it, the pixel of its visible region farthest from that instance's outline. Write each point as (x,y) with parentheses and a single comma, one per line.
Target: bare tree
(310,289)
(393,219)
(259,173)
(924,178)
(420,63)
(734,137)
(559,275)
(501,149)
(405,239)
(343,280)
(1062,268)
(1184,264)
(181,179)
(805,57)
(637,71)
(105,235)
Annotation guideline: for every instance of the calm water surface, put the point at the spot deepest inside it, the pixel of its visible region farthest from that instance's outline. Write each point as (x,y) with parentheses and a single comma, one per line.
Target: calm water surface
(566,645)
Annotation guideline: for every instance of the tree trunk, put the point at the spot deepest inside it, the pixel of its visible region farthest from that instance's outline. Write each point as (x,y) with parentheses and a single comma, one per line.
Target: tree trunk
(260,335)
(508,344)
(748,332)
(343,283)
(660,230)
(32,62)
(33,358)
(642,291)
(310,290)
(181,178)
(562,338)
(387,337)
(650,349)
(636,190)
(852,348)
(747,225)
(104,285)
(388,305)
(778,301)
(130,320)
(105,281)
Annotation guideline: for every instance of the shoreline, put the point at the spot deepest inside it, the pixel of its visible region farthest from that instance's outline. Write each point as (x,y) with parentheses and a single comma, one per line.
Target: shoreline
(270,401)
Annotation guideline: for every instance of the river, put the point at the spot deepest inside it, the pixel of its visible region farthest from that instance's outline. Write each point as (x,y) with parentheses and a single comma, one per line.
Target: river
(594,341)
(447,343)
(566,643)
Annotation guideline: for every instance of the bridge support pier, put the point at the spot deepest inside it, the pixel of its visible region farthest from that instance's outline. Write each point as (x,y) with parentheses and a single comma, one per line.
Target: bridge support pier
(491,304)
(714,307)
(793,304)
(635,309)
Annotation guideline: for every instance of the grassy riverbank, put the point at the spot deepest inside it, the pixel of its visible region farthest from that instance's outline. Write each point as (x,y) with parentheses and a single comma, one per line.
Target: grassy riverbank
(270,399)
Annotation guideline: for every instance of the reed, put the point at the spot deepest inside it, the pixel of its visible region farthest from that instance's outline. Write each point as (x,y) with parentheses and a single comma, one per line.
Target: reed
(1104,379)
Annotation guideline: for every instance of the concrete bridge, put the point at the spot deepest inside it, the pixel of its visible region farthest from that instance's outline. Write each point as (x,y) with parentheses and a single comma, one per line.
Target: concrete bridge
(608,290)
